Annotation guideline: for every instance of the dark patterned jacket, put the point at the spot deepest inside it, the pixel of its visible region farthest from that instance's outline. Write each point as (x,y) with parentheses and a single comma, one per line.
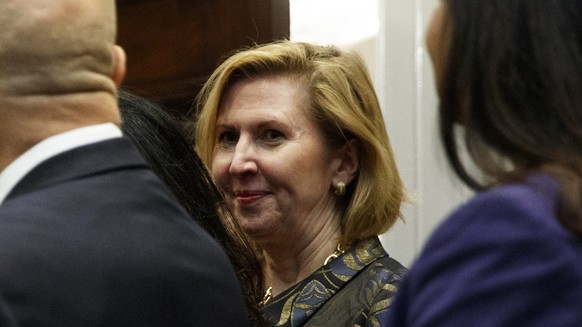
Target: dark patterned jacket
(351,290)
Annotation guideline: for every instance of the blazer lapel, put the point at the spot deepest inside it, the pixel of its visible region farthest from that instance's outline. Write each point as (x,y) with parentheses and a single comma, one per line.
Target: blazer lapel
(294,306)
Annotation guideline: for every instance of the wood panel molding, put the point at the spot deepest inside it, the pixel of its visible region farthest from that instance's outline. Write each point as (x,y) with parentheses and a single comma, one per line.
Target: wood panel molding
(173,45)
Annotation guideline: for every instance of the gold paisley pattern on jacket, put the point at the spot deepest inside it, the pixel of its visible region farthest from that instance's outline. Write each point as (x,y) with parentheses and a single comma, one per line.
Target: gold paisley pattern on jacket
(351,290)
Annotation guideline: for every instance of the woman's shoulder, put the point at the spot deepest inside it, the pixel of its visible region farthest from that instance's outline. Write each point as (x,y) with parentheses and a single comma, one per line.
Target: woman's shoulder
(383,272)
(505,245)
(388,266)
(528,205)
(371,253)
(509,223)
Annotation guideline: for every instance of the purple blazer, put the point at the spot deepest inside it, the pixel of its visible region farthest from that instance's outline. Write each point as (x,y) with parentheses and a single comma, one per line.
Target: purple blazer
(503,259)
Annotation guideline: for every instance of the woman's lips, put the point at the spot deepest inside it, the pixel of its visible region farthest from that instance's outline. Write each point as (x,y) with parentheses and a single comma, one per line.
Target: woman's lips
(246,198)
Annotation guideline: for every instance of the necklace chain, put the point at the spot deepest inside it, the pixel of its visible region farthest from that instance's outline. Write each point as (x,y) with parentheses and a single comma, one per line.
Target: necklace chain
(338,251)
(269,293)
(268,296)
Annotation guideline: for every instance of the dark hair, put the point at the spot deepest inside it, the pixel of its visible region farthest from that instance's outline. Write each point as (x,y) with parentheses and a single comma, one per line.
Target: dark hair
(172,157)
(513,79)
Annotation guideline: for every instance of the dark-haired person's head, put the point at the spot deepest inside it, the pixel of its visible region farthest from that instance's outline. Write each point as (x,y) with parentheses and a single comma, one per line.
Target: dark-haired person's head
(159,138)
(510,74)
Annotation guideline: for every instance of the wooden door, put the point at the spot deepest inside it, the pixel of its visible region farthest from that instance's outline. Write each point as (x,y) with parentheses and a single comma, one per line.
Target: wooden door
(174,45)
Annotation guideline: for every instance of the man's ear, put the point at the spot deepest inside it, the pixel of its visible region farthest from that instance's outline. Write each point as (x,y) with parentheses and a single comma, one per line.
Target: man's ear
(119,65)
(350,162)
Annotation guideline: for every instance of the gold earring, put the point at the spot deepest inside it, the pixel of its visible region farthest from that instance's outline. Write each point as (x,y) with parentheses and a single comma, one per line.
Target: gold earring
(340,188)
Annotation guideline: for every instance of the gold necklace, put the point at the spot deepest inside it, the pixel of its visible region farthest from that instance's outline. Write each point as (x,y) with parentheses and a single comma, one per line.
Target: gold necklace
(338,251)
(267,297)
(269,293)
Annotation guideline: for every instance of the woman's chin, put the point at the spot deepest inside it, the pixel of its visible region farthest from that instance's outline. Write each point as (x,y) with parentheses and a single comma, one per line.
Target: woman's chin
(258,231)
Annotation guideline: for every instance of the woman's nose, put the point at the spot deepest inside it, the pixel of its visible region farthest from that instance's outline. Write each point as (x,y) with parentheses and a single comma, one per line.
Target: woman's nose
(244,159)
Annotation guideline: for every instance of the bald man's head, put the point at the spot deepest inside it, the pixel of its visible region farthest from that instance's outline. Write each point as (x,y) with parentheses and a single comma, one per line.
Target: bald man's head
(56,46)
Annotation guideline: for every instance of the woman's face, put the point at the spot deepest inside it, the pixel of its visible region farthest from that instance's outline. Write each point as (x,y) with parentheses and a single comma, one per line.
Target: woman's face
(271,162)
(437,43)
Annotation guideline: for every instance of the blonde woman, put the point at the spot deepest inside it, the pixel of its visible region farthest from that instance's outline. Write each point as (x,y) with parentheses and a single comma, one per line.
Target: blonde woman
(295,140)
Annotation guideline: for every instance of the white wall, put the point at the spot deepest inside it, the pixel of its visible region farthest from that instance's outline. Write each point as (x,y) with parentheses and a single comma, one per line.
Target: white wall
(396,56)
(406,88)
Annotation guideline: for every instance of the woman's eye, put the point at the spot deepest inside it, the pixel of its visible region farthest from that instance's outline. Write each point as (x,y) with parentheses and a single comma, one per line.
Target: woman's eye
(227,138)
(272,135)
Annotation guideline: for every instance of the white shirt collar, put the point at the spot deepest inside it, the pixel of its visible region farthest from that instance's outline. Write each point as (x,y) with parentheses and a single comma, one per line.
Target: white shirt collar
(51,147)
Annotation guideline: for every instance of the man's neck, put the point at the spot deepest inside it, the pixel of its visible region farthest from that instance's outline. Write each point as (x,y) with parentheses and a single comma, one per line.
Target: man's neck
(26,122)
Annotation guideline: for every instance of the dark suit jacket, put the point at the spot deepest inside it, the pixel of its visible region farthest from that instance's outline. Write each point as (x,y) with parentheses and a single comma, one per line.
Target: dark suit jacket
(91,237)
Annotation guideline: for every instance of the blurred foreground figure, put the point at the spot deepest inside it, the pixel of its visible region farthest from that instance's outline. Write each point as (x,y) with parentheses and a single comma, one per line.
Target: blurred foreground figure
(509,77)
(89,236)
(158,137)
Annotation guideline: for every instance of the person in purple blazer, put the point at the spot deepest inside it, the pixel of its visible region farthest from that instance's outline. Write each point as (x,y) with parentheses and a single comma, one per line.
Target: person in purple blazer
(509,79)
(89,235)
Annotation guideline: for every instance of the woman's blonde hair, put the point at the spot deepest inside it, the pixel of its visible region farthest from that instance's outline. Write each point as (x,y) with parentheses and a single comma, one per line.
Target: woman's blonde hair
(344,106)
